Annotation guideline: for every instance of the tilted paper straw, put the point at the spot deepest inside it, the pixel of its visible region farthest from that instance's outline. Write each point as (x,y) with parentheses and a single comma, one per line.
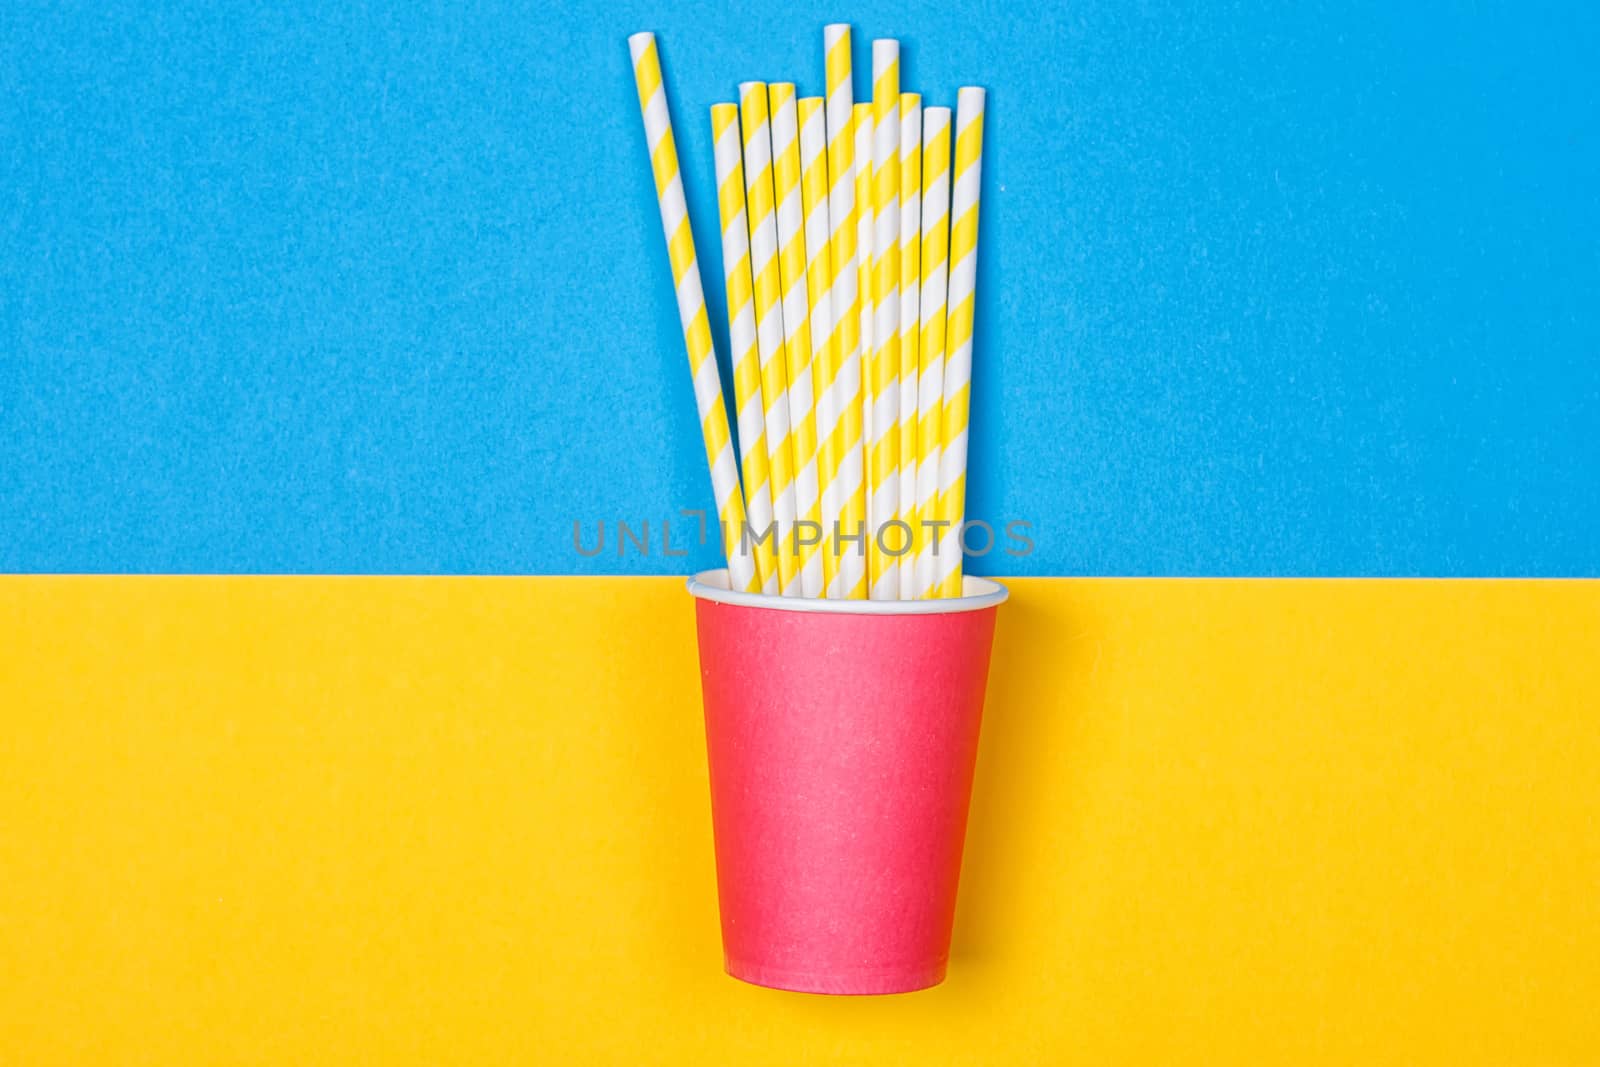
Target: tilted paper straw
(861,116)
(824,324)
(751,414)
(850,581)
(883,376)
(967,177)
(769,322)
(797,331)
(910,326)
(930,376)
(692,310)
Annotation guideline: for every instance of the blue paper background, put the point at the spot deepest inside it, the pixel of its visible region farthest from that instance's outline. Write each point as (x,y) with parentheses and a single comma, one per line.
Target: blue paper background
(1265,289)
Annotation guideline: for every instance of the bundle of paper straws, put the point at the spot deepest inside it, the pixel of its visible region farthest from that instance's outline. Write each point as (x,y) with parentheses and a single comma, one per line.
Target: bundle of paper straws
(850,256)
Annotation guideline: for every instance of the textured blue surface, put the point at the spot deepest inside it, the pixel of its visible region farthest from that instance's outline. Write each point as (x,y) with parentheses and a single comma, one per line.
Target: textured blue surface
(1265,289)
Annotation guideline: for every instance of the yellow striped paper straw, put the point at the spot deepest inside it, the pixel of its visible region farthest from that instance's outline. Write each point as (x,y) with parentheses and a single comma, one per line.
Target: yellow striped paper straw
(910,327)
(930,373)
(966,180)
(850,581)
(824,324)
(797,333)
(692,310)
(748,409)
(861,117)
(769,322)
(883,373)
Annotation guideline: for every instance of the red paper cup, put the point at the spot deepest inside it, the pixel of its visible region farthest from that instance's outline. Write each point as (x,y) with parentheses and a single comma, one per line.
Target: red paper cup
(841,736)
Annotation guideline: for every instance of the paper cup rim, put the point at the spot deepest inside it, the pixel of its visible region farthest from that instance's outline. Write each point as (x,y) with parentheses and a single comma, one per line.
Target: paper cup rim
(976,595)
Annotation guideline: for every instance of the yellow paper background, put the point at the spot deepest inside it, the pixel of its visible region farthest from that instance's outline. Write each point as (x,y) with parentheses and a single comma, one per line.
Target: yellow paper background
(465,820)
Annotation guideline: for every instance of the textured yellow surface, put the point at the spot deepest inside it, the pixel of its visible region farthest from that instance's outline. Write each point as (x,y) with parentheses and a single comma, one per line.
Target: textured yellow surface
(299,820)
